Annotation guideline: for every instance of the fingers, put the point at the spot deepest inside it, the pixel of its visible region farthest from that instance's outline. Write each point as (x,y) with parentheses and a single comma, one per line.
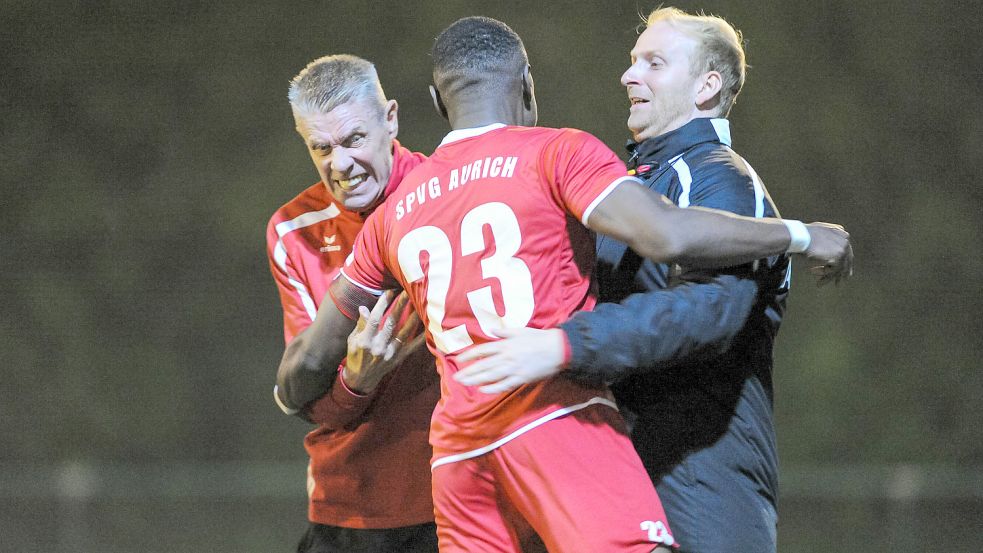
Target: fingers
(484,371)
(491,377)
(382,338)
(411,327)
(481,350)
(357,339)
(400,305)
(363,318)
(405,349)
(831,272)
(375,317)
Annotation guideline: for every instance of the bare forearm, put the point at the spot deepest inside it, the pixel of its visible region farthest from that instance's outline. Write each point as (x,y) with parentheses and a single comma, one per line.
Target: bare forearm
(705,238)
(310,362)
(711,238)
(697,237)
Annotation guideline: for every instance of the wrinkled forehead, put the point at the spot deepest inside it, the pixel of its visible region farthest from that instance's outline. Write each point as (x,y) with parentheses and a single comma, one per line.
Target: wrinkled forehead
(355,115)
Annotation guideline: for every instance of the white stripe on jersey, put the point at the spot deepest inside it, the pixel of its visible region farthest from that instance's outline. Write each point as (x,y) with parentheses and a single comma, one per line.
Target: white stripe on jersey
(759,191)
(522,430)
(685,180)
(280,253)
(759,201)
(604,194)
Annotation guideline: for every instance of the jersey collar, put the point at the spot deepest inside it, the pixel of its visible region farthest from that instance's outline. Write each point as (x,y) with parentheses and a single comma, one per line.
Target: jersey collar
(460,134)
(401,157)
(659,149)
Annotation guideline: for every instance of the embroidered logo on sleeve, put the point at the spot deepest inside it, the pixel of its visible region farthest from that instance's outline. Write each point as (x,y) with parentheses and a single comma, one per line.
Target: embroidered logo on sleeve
(329,245)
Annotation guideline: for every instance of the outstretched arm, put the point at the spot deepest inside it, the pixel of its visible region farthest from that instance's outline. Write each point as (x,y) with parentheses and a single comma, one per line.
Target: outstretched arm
(650,330)
(617,339)
(700,237)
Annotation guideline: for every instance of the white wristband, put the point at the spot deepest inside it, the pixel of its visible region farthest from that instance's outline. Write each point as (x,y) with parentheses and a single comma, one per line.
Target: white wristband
(800,236)
(286,410)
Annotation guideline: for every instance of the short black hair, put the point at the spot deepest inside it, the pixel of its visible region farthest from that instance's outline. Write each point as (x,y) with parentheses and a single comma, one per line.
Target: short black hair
(476,49)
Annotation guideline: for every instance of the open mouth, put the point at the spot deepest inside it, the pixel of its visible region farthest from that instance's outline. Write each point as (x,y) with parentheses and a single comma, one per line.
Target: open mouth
(352,183)
(637,101)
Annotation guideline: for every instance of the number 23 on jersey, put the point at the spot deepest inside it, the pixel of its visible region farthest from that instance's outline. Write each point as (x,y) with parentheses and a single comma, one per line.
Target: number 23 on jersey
(511,272)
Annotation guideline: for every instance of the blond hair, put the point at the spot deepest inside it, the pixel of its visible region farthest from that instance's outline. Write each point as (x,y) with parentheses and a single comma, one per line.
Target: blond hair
(719,47)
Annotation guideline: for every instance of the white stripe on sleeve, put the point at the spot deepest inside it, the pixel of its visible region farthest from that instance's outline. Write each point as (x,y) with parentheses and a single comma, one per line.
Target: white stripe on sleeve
(604,194)
(280,252)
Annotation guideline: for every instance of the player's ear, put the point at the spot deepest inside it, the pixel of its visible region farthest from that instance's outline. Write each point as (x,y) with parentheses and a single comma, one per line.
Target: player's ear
(708,94)
(438,104)
(392,118)
(527,89)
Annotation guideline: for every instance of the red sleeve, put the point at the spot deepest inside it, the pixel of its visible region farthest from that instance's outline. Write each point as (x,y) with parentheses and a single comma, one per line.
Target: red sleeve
(581,170)
(339,407)
(299,308)
(365,267)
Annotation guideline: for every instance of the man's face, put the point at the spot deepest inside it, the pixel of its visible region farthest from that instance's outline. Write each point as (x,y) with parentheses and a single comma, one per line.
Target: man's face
(661,86)
(351,146)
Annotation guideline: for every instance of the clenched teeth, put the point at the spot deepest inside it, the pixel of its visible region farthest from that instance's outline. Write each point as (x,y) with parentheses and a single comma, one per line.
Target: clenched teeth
(351,183)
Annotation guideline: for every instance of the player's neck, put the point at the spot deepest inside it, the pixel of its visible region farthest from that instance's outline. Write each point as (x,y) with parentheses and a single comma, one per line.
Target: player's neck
(470,116)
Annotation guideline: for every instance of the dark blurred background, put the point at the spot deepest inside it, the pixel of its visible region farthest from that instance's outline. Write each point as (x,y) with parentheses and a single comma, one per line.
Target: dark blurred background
(144,146)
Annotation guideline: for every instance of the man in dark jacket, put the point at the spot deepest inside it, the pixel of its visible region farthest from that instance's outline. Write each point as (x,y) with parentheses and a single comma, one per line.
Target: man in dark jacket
(688,353)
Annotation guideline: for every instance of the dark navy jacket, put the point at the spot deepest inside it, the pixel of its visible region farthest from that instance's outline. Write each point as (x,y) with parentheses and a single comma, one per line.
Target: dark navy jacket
(689,353)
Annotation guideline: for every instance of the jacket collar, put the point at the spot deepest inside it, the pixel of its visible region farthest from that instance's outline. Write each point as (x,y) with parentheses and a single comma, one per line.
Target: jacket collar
(655,152)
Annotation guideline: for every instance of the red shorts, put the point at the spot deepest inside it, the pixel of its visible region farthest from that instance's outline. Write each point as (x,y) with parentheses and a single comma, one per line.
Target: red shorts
(576,481)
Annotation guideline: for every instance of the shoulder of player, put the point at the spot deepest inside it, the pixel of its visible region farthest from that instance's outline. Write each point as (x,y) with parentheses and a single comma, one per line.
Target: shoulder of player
(404,159)
(567,133)
(716,165)
(312,198)
(305,214)
(565,139)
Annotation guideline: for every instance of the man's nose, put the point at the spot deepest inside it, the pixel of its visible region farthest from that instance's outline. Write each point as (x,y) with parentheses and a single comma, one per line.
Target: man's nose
(341,160)
(629,77)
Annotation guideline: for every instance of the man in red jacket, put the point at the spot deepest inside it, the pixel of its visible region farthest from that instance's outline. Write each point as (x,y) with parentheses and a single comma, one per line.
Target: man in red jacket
(369,475)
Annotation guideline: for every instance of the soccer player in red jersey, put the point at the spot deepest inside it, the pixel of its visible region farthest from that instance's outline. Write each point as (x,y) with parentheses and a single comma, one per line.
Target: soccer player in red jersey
(361,496)
(488,234)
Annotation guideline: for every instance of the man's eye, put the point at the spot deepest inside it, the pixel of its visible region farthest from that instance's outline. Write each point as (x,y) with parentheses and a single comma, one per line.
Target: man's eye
(357,139)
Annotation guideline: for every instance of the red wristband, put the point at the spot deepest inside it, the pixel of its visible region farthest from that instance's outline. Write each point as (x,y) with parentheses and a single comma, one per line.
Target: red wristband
(341,378)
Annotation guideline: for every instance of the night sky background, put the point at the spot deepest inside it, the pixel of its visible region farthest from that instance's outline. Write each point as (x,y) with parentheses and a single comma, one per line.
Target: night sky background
(144,145)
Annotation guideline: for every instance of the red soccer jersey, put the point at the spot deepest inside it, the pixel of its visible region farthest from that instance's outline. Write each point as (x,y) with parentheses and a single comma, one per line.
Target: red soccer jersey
(486,235)
(354,480)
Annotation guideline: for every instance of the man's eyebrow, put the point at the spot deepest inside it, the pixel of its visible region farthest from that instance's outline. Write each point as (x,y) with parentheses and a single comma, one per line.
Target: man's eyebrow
(315,144)
(644,53)
(357,129)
